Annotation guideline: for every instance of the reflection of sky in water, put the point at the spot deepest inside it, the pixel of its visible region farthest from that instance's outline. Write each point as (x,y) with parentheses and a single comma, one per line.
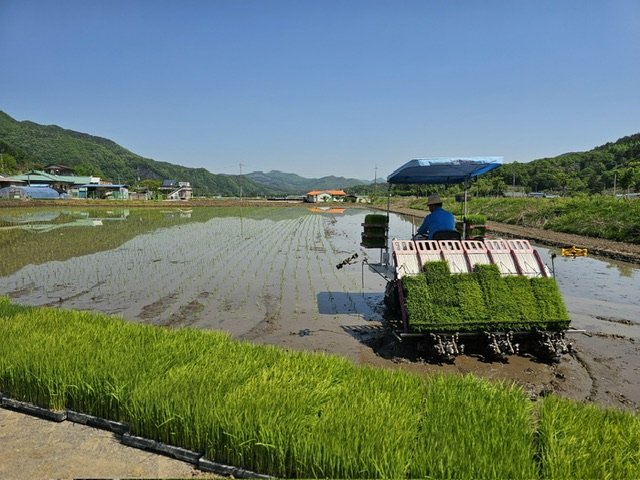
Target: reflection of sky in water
(601,295)
(596,278)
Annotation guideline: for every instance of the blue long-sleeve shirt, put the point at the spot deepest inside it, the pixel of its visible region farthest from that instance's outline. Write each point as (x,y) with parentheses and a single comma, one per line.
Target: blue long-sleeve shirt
(438,220)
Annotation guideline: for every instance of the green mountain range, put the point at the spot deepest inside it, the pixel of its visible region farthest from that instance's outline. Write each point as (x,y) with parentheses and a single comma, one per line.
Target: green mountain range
(292,183)
(26,145)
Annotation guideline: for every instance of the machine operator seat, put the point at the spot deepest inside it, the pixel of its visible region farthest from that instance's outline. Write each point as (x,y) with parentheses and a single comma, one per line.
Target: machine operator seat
(447,235)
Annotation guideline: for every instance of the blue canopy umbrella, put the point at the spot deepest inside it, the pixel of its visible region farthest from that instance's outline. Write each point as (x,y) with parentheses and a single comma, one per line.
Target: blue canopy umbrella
(444,170)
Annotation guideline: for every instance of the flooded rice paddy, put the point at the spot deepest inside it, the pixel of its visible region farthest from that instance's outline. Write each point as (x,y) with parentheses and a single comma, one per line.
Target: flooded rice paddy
(269,275)
(251,272)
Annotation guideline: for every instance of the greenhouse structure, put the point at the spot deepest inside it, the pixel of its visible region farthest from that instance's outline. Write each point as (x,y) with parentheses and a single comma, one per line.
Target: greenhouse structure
(39,192)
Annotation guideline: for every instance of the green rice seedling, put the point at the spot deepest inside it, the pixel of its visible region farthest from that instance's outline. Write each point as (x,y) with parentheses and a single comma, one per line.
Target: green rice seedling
(417,300)
(376,219)
(32,361)
(366,428)
(475,219)
(523,306)
(551,308)
(483,300)
(374,234)
(474,429)
(9,309)
(586,441)
(137,353)
(159,409)
(436,272)
(437,300)
(495,291)
(472,304)
(265,417)
(296,414)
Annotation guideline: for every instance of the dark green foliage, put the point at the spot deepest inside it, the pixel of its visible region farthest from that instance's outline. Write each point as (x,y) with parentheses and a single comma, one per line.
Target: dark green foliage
(36,146)
(27,145)
(570,173)
(591,172)
(482,300)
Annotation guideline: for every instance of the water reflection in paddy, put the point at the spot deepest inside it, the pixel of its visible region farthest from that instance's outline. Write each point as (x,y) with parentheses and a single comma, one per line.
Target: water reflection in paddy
(249,271)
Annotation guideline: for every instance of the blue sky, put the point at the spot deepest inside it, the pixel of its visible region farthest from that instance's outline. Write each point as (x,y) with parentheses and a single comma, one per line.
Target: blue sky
(326,87)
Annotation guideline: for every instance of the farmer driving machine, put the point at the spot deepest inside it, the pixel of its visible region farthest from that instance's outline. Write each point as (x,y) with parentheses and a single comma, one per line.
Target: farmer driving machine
(495,297)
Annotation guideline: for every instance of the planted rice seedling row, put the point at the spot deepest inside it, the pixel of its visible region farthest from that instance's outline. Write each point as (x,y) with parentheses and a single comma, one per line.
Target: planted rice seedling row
(171,269)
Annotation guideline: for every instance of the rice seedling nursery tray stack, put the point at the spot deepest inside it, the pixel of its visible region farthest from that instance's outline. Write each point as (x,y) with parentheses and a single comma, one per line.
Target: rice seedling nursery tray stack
(375,231)
(483,300)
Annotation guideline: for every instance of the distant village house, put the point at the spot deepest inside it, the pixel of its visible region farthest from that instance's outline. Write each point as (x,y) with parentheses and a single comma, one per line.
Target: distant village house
(176,190)
(319,196)
(55,169)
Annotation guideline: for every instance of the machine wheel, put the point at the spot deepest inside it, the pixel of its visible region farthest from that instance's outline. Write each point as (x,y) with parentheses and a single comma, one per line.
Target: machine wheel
(391,300)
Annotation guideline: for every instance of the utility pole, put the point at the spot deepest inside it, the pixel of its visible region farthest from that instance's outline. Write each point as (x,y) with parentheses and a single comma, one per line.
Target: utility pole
(240,181)
(375,180)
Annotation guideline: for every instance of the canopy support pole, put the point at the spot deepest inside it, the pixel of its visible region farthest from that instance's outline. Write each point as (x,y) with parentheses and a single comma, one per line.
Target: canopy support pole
(464,210)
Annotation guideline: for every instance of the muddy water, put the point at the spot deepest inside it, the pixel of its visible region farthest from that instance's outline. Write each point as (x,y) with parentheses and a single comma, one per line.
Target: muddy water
(271,277)
(603,298)
(265,275)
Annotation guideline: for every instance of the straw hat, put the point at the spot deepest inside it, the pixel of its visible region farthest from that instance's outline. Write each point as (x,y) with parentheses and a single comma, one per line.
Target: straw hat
(434,200)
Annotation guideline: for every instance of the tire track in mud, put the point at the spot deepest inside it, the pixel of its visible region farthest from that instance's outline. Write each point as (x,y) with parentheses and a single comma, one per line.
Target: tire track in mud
(61,300)
(593,391)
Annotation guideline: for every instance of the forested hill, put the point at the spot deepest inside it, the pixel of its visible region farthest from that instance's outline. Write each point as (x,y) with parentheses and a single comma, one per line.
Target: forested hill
(26,145)
(293,183)
(593,171)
